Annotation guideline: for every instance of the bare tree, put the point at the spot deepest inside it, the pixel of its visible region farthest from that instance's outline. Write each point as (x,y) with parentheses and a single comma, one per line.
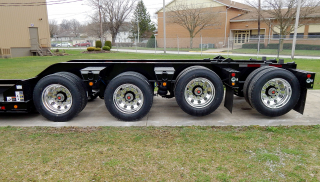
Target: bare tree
(192,17)
(53,27)
(281,14)
(115,12)
(75,27)
(65,25)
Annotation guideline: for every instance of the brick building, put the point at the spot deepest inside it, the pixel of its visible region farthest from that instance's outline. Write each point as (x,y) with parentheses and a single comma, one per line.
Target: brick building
(237,21)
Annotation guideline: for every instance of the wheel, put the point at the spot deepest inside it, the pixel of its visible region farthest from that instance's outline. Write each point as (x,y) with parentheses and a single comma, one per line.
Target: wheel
(77,45)
(83,89)
(274,92)
(87,45)
(249,79)
(199,92)
(128,97)
(57,97)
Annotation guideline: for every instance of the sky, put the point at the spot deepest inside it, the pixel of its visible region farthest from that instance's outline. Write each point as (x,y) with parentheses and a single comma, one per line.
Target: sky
(79,9)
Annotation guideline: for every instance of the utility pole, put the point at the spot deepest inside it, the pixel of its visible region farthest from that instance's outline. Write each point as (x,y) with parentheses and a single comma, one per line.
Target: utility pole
(164,26)
(100,21)
(259,10)
(295,30)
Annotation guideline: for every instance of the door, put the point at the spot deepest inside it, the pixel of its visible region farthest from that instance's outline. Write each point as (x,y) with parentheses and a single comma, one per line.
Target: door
(241,37)
(34,38)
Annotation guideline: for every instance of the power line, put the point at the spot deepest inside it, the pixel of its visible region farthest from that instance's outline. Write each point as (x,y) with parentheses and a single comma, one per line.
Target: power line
(38,3)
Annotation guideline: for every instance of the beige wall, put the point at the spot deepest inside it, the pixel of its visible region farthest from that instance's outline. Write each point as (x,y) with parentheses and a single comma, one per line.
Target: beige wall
(16,20)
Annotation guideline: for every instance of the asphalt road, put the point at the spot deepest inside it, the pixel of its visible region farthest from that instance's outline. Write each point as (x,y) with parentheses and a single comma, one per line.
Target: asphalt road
(166,112)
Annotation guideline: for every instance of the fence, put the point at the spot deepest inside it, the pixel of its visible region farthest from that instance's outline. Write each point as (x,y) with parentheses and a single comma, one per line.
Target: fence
(242,44)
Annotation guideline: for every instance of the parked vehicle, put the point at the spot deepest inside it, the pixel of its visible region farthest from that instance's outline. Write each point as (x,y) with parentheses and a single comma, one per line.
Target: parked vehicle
(64,44)
(82,44)
(53,45)
(62,90)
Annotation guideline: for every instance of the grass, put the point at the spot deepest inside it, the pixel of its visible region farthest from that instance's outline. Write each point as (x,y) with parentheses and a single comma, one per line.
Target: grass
(27,67)
(161,49)
(160,154)
(275,52)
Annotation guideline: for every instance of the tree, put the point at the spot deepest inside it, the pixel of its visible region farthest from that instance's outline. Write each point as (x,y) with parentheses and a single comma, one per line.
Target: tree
(115,12)
(65,25)
(75,27)
(281,14)
(142,17)
(192,17)
(53,27)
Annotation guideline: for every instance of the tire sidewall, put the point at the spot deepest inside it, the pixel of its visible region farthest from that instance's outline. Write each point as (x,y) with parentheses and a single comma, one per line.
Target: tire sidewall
(256,93)
(55,79)
(128,79)
(186,78)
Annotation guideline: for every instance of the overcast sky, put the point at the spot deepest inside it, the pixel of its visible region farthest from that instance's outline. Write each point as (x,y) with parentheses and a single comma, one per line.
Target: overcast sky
(80,10)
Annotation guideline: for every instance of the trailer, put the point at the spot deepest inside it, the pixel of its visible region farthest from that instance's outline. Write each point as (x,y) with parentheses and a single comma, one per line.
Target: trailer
(62,90)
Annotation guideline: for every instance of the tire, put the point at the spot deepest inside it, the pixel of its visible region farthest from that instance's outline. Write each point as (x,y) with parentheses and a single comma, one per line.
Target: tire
(60,87)
(83,88)
(87,45)
(132,90)
(186,70)
(186,92)
(249,79)
(77,45)
(274,92)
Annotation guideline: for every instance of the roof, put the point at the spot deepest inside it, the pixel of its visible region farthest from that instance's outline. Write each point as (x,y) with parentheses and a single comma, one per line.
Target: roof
(253,15)
(228,3)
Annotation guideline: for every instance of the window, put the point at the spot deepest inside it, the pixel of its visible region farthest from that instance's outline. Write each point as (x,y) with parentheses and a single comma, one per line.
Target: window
(299,35)
(275,36)
(314,35)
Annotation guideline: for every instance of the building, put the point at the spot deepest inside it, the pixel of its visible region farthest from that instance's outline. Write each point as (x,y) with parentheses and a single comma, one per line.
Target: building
(237,23)
(24,27)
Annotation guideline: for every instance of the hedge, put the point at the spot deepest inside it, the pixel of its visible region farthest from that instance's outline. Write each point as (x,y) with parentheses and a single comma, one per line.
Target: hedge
(106,48)
(97,49)
(108,43)
(285,46)
(90,48)
(252,46)
(98,44)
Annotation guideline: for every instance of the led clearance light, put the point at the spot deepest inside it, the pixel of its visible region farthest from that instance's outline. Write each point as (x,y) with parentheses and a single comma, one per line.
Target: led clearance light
(233,84)
(164,84)
(3,108)
(233,74)
(308,75)
(91,84)
(15,106)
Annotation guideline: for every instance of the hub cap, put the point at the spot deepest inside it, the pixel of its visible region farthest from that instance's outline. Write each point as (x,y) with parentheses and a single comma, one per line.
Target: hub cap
(57,99)
(199,92)
(276,93)
(128,98)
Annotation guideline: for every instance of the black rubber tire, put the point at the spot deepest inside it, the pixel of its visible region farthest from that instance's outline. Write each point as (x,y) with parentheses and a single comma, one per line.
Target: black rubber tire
(249,79)
(83,88)
(186,78)
(129,79)
(183,72)
(70,85)
(254,91)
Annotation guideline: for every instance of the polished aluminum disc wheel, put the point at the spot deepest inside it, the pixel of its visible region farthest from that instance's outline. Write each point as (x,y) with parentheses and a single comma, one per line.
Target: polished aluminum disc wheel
(276,93)
(128,98)
(199,92)
(57,99)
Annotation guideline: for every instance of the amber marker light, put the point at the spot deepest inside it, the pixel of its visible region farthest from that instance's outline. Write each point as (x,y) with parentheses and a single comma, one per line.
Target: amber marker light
(233,84)
(15,106)
(164,84)
(91,84)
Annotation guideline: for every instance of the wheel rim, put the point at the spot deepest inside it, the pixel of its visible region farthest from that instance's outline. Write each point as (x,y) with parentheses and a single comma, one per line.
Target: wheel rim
(128,98)
(57,99)
(199,92)
(276,93)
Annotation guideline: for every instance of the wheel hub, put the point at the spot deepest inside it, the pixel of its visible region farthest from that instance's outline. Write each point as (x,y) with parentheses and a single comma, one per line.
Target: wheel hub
(199,92)
(57,99)
(276,93)
(128,98)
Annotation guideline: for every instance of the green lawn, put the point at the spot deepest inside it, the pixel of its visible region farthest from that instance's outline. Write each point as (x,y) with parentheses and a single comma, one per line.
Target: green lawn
(160,153)
(27,67)
(160,49)
(275,52)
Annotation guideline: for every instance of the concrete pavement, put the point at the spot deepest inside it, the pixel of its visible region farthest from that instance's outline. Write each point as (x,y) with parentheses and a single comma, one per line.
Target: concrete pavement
(166,112)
